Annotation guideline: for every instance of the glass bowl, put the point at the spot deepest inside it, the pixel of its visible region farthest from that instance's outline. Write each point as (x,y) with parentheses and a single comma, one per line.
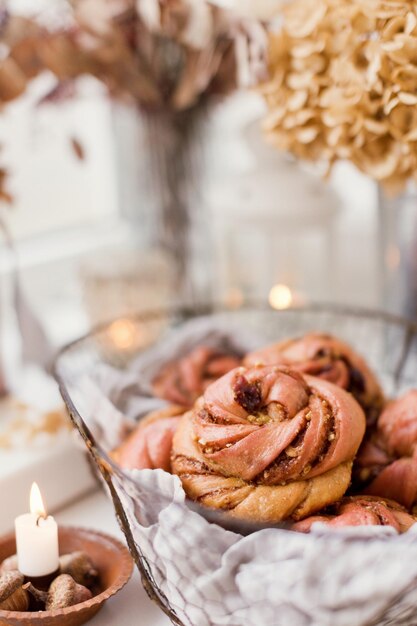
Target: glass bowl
(388,342)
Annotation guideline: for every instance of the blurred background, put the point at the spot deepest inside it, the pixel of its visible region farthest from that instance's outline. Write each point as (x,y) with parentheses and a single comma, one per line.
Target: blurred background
(81,173)
(85,248)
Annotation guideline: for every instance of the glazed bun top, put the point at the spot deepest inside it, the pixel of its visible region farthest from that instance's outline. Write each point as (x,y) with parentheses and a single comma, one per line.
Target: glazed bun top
(274,425)
(328,358)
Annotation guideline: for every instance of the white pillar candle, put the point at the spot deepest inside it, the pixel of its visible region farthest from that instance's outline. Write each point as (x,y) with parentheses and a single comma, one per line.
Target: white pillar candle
(36,539)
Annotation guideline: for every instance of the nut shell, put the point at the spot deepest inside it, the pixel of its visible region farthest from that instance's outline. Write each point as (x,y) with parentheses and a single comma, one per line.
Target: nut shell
(64,592)
(9,564)
(80,566)
(12,596)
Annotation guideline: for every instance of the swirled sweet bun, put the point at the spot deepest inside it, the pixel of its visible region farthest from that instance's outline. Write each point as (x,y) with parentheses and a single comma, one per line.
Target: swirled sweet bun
(182,381)
(396,439)
(149,445)
(268,444)
(361,511)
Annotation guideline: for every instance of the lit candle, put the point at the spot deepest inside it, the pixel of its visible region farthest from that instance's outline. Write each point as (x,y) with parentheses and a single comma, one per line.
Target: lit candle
(280,297)
(36,539)
(123,333)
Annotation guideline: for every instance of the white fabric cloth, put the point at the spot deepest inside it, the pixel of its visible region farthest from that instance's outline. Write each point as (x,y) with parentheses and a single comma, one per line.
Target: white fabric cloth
(212,577)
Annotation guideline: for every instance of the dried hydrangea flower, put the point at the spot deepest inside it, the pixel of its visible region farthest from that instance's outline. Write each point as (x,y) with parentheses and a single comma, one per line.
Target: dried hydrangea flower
(343,85)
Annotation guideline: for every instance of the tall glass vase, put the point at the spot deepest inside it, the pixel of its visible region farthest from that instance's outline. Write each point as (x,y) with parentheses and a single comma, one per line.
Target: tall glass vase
(398,246)
(179,225)
(160,161)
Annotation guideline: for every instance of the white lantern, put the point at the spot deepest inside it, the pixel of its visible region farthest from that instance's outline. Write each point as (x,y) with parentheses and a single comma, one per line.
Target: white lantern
(274,225)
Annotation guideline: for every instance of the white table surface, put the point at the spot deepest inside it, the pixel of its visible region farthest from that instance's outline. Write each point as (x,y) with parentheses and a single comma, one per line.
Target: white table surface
(131,606)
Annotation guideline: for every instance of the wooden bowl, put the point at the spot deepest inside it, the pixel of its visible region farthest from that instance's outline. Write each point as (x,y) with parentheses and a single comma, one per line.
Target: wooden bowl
(110,557)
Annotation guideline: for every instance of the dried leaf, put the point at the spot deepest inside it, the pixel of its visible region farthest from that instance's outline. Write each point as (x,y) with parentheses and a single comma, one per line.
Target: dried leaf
(5,196)
(77,148)
(162,54)
(12,80)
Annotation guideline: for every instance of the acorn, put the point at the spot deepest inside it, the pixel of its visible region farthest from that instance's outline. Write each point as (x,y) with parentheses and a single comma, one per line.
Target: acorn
(63,592)
(38,598)
(12,595)
(9,564)
(80,566)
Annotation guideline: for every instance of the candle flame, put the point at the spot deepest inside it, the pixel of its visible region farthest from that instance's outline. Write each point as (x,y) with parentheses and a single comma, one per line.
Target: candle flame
(36,503)
(123,333)
(280,297)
